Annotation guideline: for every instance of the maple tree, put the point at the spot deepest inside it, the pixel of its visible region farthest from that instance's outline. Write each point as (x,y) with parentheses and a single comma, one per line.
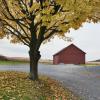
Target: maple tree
(33,22)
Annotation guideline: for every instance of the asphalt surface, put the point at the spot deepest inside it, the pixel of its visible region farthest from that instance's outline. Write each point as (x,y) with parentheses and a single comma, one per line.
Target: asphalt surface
(83,81)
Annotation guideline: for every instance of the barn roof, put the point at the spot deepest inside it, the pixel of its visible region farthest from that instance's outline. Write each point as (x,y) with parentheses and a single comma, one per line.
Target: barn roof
(68,47)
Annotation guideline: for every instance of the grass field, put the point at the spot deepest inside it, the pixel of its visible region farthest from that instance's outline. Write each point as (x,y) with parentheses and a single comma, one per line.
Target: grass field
(12,62)
(23,62)
(91,64)
(17,86)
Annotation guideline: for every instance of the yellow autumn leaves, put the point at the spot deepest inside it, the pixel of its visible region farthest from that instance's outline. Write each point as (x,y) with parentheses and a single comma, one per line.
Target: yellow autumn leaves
(17,86)
(58,17)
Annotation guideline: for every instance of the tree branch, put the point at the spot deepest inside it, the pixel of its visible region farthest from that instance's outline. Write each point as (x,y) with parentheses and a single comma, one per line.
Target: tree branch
(50,34)
(7,8)
(23,30)
(7,24)
(19,20)
(19,24)
(21,2)
(20,38)
(31,3)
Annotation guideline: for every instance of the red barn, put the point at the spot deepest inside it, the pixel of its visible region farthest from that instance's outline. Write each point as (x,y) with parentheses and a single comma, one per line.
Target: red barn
(69,55)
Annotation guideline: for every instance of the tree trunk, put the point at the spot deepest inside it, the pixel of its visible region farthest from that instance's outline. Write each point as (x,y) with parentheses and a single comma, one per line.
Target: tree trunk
(34,58)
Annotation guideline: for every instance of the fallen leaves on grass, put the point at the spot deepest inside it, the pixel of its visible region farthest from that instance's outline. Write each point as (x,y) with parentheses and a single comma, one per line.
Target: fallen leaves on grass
(17,86)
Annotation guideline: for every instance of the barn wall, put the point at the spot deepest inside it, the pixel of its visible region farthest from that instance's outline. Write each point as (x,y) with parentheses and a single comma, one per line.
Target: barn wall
(71,55)
(56,59)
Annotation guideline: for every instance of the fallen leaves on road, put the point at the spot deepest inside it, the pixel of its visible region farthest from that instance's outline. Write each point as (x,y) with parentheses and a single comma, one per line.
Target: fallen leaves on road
(17,86)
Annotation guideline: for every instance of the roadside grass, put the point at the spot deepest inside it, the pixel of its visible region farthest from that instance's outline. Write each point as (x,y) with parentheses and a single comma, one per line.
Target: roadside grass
(17,86)
(12,62)
(50,62)
(90,65)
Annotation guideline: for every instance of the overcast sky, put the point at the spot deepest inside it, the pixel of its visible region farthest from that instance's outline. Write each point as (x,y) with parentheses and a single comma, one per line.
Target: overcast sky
(86,38)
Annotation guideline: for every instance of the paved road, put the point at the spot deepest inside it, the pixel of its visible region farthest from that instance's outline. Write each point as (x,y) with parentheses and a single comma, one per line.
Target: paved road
(81,80)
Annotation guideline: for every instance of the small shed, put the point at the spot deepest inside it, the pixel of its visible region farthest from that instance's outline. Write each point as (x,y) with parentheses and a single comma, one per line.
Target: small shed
(69,55)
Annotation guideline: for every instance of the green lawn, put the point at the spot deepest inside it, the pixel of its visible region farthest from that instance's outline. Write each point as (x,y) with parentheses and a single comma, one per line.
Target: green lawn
(12,62)
(17,86)
(90,65)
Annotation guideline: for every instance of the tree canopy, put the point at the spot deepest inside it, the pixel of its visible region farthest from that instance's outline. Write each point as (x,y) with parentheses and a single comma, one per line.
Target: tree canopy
(48,17)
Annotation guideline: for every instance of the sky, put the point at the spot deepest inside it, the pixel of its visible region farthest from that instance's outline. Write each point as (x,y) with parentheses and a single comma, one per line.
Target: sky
(87,38)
